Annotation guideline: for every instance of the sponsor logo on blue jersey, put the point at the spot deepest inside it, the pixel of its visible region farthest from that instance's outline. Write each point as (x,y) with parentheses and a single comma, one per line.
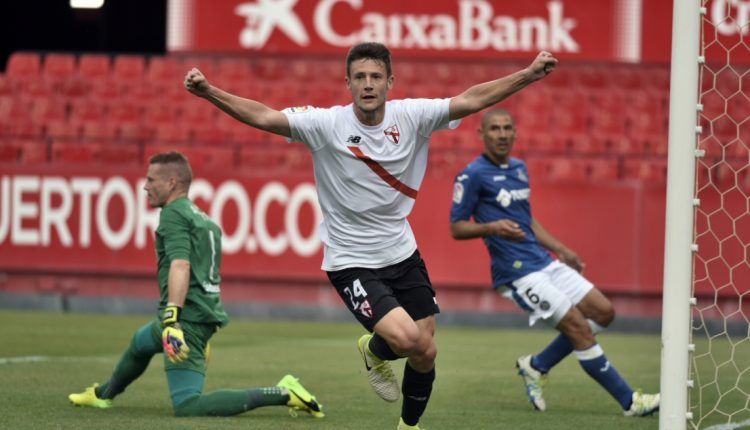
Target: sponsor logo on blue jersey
(506,197)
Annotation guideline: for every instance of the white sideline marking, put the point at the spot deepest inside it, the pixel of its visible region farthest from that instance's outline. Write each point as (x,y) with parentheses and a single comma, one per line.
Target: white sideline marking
(730,426)
(27,359)
(41,358)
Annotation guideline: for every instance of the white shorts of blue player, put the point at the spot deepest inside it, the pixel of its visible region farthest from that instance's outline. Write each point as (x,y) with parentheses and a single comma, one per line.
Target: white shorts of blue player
(563,298)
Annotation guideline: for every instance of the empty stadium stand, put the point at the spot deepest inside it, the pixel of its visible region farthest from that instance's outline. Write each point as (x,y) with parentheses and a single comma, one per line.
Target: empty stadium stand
(588,122)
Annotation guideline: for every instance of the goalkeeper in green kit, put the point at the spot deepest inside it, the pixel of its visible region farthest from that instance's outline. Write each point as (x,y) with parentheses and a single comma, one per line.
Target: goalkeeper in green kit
(188,249)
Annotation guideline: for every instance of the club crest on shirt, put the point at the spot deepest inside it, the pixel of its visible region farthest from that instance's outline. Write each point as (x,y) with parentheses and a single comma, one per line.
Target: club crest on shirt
(392,133)
(521,175)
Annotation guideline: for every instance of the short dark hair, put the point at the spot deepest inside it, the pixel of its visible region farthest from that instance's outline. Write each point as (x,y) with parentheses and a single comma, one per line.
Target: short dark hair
(369,50)
(183,172)
(497,111)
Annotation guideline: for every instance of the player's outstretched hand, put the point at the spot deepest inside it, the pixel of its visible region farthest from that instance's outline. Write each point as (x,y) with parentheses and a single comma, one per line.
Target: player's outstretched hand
(507,229)
(543,65)
(196,83)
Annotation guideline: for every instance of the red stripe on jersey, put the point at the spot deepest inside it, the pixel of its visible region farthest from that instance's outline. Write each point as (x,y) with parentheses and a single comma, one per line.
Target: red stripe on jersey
(384,175)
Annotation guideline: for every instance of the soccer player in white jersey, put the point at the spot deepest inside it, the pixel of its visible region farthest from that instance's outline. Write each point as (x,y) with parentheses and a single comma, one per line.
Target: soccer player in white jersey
(369,160)
(491,201)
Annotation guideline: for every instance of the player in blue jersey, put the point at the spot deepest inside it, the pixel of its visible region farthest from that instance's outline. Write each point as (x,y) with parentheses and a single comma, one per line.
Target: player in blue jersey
(491,201)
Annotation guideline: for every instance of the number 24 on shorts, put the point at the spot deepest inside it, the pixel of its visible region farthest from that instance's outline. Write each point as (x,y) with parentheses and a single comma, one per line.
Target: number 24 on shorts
(359,291)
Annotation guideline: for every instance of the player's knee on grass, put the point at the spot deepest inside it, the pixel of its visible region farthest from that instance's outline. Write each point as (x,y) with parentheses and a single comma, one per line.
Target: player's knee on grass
(189,407)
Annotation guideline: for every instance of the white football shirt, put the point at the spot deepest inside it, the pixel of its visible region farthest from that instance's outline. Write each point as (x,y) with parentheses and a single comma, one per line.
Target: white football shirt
(368,177)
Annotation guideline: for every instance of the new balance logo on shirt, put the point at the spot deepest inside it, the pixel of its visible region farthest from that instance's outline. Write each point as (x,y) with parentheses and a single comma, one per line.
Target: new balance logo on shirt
(353,139)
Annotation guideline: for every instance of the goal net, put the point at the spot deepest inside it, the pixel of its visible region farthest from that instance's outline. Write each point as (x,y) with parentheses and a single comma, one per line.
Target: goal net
(719,374)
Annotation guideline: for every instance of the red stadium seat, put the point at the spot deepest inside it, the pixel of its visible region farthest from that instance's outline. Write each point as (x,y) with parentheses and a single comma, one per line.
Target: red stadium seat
(23,65)
(607,122)
(119,154)
(621,145)
(245,135)
(200,157)
(234,70)
(104,92)
(26,151)
(197,111)
(73,152)
(570,121)
(643,122)
(24,128)
(260,158)
(87,110)
(592,77)
(649,171)
(59,67)
(94,67)
(207,134)
(603,170)
(123,111)
(129,69)
(7,88)
(565,169)
(10,152)
(164,69)
(99,131)
(134,132)
(585,144)
(543,143)
(538,167)
(171,133)
(34,151)
(50,109)
(63,130)
(156,114)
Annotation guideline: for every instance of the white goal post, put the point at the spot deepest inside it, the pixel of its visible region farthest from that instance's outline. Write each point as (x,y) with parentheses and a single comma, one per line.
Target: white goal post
(678,249)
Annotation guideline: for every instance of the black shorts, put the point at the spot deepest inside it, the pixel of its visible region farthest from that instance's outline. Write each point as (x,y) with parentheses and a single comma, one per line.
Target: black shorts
(371,293)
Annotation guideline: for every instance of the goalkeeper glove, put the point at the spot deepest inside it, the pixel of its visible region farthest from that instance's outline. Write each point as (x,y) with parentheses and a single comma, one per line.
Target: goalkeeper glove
(172,337)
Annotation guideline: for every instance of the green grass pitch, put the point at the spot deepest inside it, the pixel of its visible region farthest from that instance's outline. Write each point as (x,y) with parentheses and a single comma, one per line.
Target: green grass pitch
(476,387)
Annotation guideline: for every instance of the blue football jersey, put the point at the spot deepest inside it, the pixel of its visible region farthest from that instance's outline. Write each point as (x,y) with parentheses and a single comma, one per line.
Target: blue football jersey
(488,192)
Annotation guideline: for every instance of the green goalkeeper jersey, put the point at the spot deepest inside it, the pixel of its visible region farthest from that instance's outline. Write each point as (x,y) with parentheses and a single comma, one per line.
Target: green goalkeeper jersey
(187,233)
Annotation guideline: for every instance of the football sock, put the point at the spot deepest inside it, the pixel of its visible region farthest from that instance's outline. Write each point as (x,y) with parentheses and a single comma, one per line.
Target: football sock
(595,363)
(416,389)
(379,347)
(185,389)
(132,364)
(558,349)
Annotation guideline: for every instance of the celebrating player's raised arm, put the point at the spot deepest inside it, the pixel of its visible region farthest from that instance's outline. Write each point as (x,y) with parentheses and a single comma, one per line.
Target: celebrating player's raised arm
(484,95)
(250,112)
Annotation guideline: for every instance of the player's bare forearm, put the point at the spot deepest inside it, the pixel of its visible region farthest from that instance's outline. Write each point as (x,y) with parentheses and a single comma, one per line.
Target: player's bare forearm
(484,95)
(565,254)
(463,230)
(505,228)
(250,112)
(178,282)
(545,238)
